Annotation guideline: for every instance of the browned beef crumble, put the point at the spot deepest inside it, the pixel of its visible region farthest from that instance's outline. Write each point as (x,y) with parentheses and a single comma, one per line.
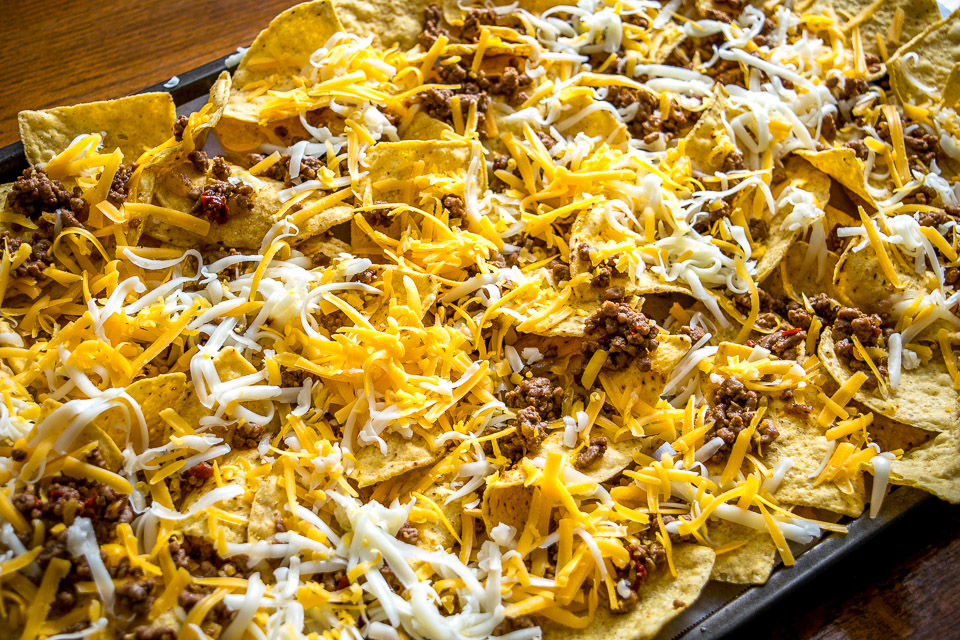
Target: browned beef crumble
(280,170)
(147,632)
(784,344)
(120,185)
(408,533)
(648,124)
(732,410)
(179,126)
(624,333)
(213,201)
(34,194)
(220,169)
(199,160)
(540,394)
(645,559)
(199,556)
(869,331)
(433,26)
(509,625)
(247,436)
(593,452)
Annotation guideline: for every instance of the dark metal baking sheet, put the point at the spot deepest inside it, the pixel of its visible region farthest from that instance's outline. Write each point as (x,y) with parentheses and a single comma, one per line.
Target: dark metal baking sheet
(722,609)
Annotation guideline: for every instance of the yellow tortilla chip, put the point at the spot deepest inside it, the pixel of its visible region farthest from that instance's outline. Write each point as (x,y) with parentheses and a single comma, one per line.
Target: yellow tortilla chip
(394,165)
(244,228)
(402,455)
(774,248)
(396,294)
(277,55)
(435,535)
(879,16)
(925,397)
(925,73)
(388,22)
(801,439)
(661,598)
(267,507)
(860,281)
(133,124)
(708,144)
(234,468)
(616,458)
(751,563)
(845,167)
(153,395)
(933,467)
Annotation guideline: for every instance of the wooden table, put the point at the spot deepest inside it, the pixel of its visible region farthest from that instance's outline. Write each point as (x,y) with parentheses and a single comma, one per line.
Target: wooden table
(81,50)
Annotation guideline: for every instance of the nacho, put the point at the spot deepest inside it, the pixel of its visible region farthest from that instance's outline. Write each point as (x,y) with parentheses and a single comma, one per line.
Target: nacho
(479,321)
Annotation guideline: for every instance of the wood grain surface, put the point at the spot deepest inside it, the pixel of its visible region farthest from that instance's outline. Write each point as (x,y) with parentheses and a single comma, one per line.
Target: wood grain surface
(906,585)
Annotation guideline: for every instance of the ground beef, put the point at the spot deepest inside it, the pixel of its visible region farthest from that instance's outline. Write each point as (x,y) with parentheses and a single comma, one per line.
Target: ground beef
(784,344)
(527,437)
(624,333)
(432,27)
(720,210)
(868,329)
(146,632)
(475,19)
(408,533)
(768,303)
(179,126)
(66,498)
(34,193)
(509,625)
(199,160)
(824,306)
(540,394)
(280,170)
(220,169)
(213,202)
(859,148)
(247,436)
(455,206)
(732,410)
(199,557)
(799,317)
(136,596)
(645,559)
(828,128)
(121,183)
(595,451)
(694,333)
(649,124)
(560,271)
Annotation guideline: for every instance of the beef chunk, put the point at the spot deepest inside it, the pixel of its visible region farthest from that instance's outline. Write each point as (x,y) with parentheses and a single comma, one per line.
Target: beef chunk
(624,333)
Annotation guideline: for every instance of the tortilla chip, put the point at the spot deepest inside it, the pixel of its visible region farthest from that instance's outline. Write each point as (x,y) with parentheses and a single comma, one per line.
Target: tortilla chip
(402,455)
(917,15)
(890,434)
(845,167)
(616,458)
(153,395)
(796,277)
(933,467)
(802,440)
(278,54)
(936,49)
(267,506)
(802,176)
(661,598)
(388,22)
(861,283)
(507,501)
(645,387)
(244,229)
(435,535)
(708,144)
(751,563)
(925,397)
(951,92)
(133,124)
(424,127)
(396,163)
(234,467)
(396,295)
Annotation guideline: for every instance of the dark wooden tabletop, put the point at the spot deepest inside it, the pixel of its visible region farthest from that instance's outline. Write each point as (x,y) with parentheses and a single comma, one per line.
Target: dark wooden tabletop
(906,585)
